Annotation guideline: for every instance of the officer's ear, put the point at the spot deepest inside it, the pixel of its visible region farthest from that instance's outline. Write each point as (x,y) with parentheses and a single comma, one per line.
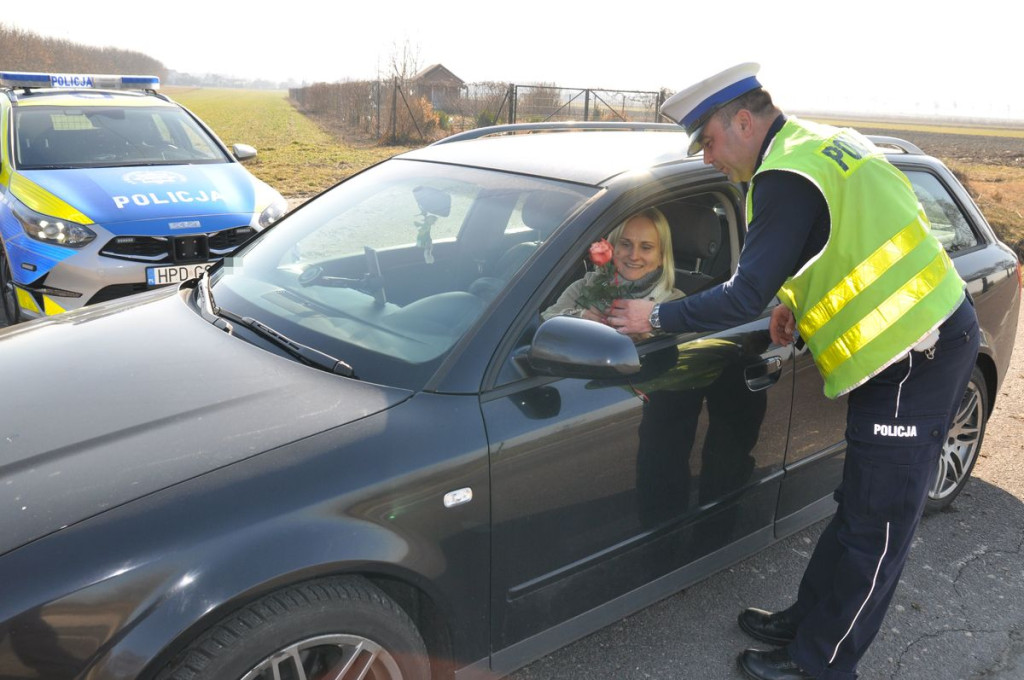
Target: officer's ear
(745,121)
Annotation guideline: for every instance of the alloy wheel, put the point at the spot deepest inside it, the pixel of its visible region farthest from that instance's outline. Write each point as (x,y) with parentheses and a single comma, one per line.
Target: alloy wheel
(961,448)
(341,657)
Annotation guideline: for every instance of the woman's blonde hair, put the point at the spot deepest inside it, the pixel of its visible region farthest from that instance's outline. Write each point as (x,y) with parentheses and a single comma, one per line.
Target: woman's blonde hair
(668,263)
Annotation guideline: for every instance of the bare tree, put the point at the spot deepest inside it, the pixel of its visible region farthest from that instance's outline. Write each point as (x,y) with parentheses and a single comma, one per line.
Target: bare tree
(23,50)
(403,62)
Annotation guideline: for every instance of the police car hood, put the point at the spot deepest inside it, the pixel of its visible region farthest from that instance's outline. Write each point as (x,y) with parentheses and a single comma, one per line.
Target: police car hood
(113,402)
(162,195)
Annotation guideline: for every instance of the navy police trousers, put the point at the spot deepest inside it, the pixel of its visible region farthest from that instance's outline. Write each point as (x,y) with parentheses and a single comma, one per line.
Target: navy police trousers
(896,425)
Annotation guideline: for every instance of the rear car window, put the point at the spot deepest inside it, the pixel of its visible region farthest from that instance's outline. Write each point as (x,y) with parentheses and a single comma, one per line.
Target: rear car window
(948,222)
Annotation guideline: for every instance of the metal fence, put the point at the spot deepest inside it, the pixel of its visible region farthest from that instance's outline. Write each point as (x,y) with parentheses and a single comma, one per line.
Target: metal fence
(389,110)
(542,103)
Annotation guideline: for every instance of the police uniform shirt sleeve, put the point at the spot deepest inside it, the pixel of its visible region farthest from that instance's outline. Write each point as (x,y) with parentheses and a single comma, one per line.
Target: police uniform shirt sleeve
(790,224)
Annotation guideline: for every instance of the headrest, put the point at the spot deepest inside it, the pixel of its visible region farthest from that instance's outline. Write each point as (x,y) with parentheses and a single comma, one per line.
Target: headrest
(32,123)
(543,211)
(696,230)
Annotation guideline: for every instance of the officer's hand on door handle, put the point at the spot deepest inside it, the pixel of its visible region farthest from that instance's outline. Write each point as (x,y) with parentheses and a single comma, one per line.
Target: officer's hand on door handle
(782,327)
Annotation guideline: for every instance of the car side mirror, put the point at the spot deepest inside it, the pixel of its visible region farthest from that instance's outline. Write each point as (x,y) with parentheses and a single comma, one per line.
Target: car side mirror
(243,152)
(568,347)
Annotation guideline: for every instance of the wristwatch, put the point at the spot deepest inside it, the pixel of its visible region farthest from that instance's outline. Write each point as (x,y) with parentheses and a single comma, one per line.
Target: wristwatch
(654,318)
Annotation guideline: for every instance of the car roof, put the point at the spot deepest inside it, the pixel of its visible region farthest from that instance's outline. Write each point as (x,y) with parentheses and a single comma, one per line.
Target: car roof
(591,153)
(80,98)
(583,157)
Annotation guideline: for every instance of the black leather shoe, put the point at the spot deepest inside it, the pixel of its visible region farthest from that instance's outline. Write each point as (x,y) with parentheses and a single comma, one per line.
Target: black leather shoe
(773,665)
(775,629)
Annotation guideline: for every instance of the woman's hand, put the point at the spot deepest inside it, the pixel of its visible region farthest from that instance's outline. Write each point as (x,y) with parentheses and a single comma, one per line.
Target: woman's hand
(594,314)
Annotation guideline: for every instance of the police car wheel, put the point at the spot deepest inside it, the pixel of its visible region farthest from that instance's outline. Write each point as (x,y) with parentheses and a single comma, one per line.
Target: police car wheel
(9,296)
(963,443)
(344,628)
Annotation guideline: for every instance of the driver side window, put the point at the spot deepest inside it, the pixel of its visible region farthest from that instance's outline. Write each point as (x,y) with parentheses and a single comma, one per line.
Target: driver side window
(634,261)
(659,253)
(703,249)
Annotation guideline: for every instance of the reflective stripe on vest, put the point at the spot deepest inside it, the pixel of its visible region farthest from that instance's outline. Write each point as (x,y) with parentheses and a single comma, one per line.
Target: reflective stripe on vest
(883,316)
(862,276)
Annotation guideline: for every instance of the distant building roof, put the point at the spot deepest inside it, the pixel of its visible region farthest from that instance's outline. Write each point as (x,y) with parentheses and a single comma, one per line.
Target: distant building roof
(438,75)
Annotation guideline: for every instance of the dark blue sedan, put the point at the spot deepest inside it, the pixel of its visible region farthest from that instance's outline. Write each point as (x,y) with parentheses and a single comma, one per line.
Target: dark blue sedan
(357,450)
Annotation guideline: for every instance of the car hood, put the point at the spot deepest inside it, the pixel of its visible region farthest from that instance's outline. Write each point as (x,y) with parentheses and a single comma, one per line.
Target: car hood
(170,195)
(114,402)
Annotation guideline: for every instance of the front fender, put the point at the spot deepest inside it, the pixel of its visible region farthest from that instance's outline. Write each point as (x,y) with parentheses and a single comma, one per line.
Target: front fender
(119,594)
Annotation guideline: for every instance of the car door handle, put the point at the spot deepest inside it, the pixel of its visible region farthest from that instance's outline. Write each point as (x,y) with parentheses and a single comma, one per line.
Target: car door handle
(763,374)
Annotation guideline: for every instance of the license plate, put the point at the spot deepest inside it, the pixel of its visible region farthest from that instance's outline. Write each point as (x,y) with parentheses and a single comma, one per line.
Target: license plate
(175,273)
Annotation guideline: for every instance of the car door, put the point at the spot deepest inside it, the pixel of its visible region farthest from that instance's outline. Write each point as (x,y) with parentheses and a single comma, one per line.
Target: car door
(608,494)
(817,447)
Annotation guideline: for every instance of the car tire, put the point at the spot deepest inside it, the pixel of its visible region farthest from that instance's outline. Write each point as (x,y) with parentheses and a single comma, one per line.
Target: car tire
(963,443)
(343,625)
(8,294)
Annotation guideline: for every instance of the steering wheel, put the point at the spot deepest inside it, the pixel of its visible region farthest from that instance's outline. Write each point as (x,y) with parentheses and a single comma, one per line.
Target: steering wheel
(314,276)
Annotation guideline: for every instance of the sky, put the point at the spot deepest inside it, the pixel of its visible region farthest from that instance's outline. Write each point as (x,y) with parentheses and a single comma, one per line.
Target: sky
(896,56)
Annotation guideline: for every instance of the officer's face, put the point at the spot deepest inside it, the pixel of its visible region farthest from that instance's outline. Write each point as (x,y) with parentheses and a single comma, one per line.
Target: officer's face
(638,249)
(729,148)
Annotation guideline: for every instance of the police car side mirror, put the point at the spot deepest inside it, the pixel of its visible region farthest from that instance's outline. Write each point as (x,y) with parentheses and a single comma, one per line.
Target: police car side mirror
(577,348)
(243,152)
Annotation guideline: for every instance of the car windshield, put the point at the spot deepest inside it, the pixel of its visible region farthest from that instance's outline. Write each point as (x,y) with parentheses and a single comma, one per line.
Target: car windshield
(388,270)
(110,136)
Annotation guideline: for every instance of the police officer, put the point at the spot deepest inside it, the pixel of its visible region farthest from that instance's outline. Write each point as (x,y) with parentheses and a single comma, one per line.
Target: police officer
(836,232)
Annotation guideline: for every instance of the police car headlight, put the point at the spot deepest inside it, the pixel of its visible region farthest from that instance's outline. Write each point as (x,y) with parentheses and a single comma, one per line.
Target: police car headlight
(51,229)
(272,213)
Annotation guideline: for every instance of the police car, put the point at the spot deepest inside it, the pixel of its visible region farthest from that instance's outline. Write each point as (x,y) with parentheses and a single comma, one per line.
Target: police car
(108,187)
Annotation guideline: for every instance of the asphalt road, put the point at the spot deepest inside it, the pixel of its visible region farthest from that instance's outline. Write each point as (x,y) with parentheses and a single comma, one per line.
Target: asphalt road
(958,613)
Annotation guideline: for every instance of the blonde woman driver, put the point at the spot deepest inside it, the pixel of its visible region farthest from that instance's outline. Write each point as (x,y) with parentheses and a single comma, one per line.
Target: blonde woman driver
(641,267)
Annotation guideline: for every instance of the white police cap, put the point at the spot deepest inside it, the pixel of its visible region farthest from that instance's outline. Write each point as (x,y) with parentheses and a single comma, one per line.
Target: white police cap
(693,106)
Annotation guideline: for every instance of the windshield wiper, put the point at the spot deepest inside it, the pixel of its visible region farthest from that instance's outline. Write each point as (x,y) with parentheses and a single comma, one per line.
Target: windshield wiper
(304,353)
(220,317)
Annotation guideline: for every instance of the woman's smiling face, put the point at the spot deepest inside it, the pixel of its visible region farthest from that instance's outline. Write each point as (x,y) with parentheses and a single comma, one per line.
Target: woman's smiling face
(638,249)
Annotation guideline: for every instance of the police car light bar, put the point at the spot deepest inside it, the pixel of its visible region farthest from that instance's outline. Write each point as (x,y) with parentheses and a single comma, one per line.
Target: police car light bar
(78,80)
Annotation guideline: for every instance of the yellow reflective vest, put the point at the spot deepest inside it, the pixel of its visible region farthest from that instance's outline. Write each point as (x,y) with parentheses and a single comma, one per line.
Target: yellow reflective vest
(883,282)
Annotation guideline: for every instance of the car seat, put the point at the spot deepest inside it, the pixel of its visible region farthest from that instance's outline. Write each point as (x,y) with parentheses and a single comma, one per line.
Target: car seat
(696,238)
(543,212)
(32,135)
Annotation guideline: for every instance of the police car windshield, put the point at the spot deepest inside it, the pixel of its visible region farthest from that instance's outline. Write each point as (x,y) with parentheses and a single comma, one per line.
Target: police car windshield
(48,137)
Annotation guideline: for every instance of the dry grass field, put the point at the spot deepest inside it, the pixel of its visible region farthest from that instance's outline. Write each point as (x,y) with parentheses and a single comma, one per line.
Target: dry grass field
(988,160)
(297,156)
(301,157)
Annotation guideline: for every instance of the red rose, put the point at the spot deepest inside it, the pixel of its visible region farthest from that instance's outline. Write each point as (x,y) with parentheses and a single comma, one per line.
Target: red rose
(601,252)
